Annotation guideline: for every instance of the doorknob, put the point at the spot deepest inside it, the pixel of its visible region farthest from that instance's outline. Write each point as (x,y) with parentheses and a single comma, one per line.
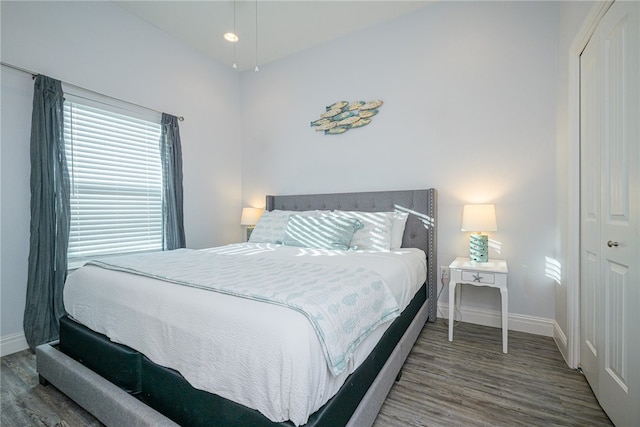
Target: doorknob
(612,244)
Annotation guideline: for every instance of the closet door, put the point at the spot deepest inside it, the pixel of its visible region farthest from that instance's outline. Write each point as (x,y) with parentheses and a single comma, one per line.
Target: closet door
(610,213)
(591,291)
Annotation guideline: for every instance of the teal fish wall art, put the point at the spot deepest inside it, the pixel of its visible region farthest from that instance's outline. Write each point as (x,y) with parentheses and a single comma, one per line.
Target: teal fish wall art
(341,116)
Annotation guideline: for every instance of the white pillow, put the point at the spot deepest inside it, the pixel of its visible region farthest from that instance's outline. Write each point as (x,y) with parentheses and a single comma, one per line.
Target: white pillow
(376,231)
(272,225)
(397,229)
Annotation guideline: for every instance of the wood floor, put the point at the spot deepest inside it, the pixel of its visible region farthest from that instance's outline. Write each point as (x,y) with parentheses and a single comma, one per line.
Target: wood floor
(468,382)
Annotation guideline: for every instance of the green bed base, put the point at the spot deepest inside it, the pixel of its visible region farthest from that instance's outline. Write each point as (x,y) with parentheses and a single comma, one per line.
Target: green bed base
(166,391)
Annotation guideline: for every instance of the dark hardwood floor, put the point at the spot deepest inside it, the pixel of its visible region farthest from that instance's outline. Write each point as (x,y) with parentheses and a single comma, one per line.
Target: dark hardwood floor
(468,382)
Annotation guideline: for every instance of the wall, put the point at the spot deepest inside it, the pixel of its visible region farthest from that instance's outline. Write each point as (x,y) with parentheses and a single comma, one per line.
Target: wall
(89,44)
(470,93)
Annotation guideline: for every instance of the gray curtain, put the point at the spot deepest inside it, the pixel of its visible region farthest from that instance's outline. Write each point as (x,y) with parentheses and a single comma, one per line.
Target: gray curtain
(49,215)
(171,153)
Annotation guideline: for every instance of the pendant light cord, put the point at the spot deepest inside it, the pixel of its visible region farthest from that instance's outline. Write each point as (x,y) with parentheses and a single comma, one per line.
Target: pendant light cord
(235,65)
(257,69)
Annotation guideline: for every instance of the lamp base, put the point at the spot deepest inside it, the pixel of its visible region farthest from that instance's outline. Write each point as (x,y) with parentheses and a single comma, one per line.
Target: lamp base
(249,231)
(479,248)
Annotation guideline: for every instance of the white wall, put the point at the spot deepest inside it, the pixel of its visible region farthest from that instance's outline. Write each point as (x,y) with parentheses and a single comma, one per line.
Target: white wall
(470,100)
(99,46)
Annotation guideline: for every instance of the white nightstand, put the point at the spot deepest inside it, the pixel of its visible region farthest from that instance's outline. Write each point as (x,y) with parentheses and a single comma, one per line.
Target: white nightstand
(492,273)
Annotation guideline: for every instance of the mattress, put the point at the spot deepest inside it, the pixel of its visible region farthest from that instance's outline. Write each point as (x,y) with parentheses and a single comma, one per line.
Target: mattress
(237,348)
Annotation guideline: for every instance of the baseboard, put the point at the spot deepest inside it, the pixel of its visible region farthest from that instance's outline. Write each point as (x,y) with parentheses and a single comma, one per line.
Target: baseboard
(517,322)
(13,343)
(561,341)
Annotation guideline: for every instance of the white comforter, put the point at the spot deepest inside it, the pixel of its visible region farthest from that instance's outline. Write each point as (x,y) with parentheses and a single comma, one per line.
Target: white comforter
(263,356)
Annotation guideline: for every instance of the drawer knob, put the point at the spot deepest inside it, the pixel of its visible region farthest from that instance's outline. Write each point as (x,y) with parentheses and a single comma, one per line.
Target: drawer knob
(612,244)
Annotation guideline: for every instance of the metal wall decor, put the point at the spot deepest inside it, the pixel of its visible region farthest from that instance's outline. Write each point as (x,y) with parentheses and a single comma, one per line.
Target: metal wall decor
(341,116)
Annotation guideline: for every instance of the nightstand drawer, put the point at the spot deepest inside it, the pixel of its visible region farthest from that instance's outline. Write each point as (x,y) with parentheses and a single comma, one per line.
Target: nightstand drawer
(478,277)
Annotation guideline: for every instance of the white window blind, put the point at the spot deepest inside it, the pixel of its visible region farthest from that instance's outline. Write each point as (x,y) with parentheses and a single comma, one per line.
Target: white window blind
(116,181)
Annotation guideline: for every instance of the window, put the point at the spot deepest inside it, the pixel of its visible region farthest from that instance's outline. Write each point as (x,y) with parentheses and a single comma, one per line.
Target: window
(113,157)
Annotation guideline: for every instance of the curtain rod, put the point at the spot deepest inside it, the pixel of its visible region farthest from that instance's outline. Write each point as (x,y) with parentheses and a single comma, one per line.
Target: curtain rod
(34,75)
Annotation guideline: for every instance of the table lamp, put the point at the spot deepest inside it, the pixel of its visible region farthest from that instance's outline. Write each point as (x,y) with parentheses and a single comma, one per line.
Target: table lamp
(479,218)
(250,217)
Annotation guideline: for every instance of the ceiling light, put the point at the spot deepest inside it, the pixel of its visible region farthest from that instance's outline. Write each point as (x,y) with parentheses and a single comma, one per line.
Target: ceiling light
(231,37)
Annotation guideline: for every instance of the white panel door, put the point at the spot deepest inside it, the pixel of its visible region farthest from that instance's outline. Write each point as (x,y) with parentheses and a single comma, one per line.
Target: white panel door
(610,245)
(591,293)
(620,373)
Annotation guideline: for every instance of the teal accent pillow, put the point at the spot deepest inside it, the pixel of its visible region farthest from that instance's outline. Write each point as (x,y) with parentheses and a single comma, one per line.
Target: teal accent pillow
(323,232)
(376,233)
(270,227)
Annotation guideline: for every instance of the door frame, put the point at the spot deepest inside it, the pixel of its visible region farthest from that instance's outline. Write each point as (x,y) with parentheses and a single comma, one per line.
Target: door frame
(598,10)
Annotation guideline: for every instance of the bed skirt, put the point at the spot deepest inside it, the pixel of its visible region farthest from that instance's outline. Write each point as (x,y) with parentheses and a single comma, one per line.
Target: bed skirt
(133,381)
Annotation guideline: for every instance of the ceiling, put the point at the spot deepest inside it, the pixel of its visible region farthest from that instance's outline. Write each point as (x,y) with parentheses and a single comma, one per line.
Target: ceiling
(284,27)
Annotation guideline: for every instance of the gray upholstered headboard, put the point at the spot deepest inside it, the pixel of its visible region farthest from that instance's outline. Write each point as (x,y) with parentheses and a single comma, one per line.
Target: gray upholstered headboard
(420,231)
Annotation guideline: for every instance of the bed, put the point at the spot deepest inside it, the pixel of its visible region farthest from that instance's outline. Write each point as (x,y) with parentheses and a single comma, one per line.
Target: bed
(134,385)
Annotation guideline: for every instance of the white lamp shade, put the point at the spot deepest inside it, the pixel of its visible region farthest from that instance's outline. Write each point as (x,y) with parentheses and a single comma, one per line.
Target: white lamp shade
(250,216)
(476,218)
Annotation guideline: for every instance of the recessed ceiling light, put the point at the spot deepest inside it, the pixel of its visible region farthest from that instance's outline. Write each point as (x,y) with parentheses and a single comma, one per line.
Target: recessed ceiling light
(231,37)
